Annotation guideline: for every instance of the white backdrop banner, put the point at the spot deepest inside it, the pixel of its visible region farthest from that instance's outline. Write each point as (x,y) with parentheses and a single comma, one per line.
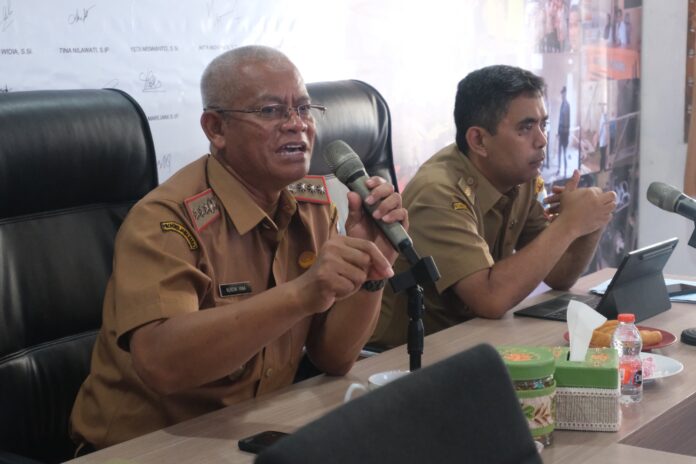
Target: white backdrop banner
(156,51)
(414,53)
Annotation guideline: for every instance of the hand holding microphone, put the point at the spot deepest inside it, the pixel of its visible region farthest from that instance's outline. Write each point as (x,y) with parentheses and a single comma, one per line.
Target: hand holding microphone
(345,263)
(350,170)
(378,199)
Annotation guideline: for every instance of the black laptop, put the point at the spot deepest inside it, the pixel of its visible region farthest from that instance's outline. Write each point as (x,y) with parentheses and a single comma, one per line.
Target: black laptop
(638,287)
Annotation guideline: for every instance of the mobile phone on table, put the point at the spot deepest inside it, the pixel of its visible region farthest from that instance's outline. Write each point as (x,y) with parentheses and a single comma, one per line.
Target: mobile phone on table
(680,289)
(260,441)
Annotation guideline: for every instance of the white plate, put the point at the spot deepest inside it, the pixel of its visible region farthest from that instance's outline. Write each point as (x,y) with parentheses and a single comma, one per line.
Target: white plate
(656,366)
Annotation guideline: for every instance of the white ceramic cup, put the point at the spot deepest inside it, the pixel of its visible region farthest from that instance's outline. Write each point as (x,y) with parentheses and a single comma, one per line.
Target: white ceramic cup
(374,381)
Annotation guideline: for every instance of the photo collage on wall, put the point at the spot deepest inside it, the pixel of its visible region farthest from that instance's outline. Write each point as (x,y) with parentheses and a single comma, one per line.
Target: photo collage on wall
(590,51)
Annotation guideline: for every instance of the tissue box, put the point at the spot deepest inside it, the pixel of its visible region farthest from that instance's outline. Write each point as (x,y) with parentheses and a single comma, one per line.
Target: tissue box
(588,392)
(531,370)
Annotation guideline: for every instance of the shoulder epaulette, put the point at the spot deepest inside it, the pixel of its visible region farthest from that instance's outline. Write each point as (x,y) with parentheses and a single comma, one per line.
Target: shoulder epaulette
(311,189)
(203,209)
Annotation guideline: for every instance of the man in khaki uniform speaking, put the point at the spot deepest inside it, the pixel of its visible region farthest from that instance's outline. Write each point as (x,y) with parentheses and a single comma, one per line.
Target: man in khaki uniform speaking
(473,207)
(228,269)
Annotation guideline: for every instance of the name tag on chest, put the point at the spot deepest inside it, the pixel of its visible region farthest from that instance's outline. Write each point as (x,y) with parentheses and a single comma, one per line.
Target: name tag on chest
(238,288)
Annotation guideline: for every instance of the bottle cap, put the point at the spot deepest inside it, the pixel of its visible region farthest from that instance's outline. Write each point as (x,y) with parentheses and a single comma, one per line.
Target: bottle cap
(626,317)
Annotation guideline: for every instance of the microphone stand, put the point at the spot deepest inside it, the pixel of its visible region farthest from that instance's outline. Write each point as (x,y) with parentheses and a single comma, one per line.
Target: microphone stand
(422,271)
(688,336)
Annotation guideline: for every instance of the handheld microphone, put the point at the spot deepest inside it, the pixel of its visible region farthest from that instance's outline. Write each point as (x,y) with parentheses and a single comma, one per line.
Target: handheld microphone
(670,199)
(346,164)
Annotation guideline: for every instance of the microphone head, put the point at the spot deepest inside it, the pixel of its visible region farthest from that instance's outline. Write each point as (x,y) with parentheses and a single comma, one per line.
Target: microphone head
(342,160)
(663,196)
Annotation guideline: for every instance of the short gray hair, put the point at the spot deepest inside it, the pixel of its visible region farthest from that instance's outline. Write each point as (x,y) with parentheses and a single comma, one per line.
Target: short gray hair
(219,83)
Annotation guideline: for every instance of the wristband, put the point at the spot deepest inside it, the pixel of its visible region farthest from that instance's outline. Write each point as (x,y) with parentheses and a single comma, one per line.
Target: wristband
(374,285)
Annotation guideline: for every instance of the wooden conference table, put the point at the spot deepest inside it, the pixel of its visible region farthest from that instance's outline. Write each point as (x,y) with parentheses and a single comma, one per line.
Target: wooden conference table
(213,437)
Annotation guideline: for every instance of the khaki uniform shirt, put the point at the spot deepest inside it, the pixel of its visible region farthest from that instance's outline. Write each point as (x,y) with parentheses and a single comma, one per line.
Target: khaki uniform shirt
(196,242)
(466,225)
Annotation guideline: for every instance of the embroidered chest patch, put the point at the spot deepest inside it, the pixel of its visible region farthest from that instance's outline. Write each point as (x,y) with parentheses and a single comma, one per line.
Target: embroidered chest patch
(203,209)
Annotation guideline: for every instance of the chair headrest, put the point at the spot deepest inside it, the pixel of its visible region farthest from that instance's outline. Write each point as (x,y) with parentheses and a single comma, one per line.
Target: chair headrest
(358,115)
(64,148)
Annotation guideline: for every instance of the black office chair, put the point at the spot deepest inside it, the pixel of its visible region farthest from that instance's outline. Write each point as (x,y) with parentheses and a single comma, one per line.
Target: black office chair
(463,409)
(358,115)
(72,163)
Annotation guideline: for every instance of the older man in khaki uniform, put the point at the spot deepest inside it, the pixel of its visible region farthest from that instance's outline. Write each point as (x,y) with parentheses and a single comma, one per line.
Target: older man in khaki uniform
(473,207)
(228,269)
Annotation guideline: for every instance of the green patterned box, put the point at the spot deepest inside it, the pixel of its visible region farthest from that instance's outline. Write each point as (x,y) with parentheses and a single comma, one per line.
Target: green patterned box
(531,370)
(588,392)
(599,370)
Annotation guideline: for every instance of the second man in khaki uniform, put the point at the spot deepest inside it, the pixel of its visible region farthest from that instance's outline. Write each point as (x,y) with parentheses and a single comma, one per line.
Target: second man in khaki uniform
(473,207)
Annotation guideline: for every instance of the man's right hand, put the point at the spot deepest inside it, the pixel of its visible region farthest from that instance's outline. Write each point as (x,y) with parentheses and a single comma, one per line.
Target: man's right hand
(584,210)
(341,267)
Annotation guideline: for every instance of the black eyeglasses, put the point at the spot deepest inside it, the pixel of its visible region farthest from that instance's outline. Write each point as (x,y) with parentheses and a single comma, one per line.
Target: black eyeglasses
(306,112)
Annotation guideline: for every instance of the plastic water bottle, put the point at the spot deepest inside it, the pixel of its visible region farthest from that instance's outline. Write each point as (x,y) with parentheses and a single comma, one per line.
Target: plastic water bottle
(627,342)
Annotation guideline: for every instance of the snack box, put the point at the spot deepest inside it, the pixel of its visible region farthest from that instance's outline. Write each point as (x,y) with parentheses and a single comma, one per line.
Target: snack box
(587,392)
(531,370)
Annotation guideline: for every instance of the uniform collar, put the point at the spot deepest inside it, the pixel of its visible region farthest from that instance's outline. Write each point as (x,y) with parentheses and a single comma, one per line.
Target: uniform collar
(486,195)
(239,204)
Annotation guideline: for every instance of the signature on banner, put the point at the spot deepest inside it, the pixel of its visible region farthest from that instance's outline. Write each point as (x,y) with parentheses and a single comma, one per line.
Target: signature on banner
(7,18)
(164,163)
(150,82)
(79,16)
(216,16)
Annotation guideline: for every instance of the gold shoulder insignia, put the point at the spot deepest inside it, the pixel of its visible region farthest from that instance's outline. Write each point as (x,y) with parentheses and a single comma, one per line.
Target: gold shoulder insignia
(311,189)
(171,226)
(203,209)
(538,185)
(458,205)
(469,193)
(470,189)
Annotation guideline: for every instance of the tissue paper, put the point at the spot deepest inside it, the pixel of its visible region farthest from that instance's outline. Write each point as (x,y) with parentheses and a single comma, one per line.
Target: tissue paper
(582,320)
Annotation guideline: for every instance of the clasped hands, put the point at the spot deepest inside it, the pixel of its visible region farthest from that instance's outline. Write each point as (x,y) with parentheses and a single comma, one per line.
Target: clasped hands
(586,209)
